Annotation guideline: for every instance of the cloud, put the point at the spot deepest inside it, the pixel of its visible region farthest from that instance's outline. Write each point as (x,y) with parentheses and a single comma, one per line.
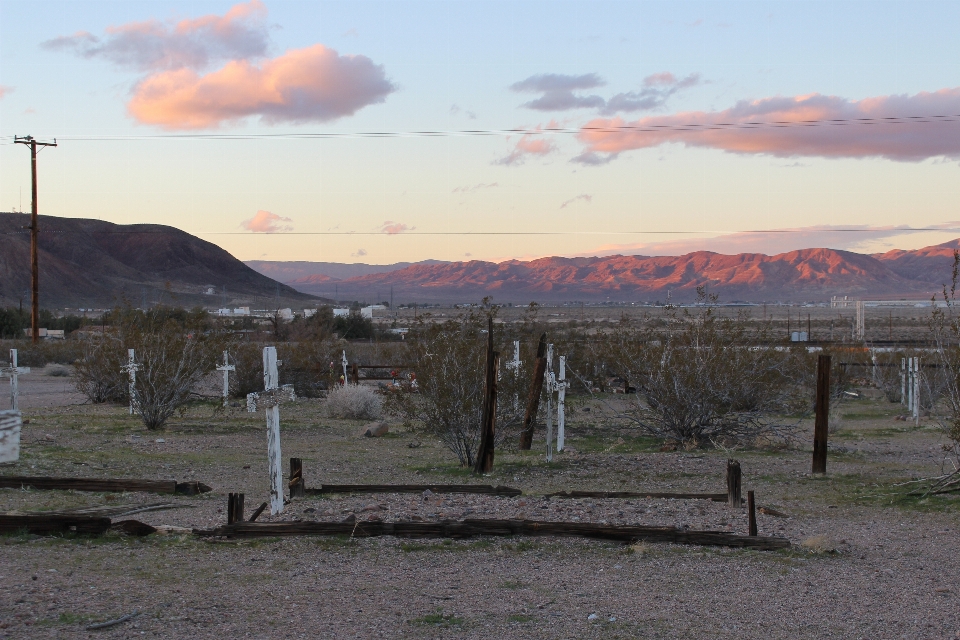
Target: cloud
(193,43)
(266,222)
(657,89)
(4,90)
(593,159)
(530,144)
(789,133)
(314,84)
(359,253)
(583,196)
(557,90)
(392,228)
(476,187)
(860,238)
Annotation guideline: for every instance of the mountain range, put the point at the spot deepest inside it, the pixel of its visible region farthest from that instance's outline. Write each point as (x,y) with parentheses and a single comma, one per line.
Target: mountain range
(804,275)
(90,263)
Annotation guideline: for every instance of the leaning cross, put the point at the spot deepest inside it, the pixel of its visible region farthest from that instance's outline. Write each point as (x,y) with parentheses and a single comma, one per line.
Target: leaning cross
(131,368)
(271,400)
(14,372)
(226,367)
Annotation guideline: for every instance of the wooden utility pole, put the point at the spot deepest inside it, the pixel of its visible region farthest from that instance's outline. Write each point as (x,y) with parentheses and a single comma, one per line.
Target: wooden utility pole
(533,400)
(34,263)
(821,422)
(488,420)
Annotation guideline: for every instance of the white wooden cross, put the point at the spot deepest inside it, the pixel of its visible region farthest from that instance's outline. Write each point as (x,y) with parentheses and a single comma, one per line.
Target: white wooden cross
(226,367)
(549,382)
(344,362)
(561,387)
(14,372)
(271,400)
(131,368)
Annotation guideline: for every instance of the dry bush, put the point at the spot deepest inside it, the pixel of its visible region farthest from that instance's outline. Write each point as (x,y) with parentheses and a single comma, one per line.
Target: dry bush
(704,381)
(56,371)
(449,359)
(353,402)
(98,370)
(307,365)
(247,377)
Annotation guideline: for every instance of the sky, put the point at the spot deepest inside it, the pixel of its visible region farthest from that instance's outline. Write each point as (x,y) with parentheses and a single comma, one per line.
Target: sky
(597,127)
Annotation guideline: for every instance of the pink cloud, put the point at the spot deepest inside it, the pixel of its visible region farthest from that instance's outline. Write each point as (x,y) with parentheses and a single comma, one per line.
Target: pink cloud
(266,222)
(154,45)
(4,91)
(314,84)
(787,131)
(393,228)
(530,144)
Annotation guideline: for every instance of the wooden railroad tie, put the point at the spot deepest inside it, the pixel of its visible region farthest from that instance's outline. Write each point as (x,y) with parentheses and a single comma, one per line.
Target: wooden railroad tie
(105,485)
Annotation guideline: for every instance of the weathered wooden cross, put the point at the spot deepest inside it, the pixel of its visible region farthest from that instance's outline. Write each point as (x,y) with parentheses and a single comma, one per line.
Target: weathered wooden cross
(549,382)
(514,365)
(14,372)
(226,367)
(131,368)
(561,386)
(345,364)
(271,400)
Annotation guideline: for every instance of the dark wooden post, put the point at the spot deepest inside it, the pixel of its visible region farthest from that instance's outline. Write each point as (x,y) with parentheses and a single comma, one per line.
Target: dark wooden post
(355,373)
(488,420)
(821,421)
(753,513)
(533,400)
(234,508)
(734,496)
(256,514)
(297,488)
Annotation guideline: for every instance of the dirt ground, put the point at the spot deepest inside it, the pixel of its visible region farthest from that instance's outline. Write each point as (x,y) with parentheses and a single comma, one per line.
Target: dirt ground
(866,562)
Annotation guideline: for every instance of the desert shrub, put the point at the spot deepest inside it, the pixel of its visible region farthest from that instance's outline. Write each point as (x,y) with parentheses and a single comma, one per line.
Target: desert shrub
(449,359)
(98,370)
(247,378)
(702,381)
(306,365)
(353,402)
(56,371)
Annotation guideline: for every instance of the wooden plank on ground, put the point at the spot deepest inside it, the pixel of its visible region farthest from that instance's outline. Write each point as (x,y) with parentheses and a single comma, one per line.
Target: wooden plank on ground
(55,524)
(493,527)
(415,488)
(103,484)
(716,497)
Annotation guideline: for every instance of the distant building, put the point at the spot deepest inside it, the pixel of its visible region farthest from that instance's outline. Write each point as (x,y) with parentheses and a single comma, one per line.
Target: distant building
(309,313)
(286,314)
(341,313)
(367,312)
(46,334)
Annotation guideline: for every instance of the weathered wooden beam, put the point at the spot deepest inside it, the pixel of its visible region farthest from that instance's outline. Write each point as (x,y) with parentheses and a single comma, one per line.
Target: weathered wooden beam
(54,524)
(716,497)
(493,527)
(415,488)
(103,484)
(256,514)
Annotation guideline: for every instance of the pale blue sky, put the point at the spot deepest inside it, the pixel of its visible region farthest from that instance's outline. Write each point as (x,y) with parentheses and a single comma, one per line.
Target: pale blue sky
(452,65)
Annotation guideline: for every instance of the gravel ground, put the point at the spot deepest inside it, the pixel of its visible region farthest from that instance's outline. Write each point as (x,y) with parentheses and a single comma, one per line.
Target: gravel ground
(865,563)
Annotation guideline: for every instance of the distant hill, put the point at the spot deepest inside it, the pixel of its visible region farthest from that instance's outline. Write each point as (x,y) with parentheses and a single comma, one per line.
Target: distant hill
(91,263)
(313,272)
(808,274)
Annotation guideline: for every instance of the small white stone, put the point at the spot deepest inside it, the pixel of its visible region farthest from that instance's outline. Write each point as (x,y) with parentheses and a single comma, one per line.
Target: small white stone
(592,616)
(159,440)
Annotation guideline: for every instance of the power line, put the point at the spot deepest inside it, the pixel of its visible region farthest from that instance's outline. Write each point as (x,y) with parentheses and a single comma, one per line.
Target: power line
(692,127)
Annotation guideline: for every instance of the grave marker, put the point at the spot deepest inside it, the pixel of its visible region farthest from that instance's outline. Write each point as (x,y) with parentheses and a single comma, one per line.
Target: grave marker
(271,400)
(550,382)
(561,387)
(226,367)
(14,372)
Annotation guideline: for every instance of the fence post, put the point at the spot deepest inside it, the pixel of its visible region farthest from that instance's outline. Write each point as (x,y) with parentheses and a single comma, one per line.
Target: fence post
(533,400)
(234,508)
(485,452)
(821,422)
(297,489)
(753,514)
(734,497)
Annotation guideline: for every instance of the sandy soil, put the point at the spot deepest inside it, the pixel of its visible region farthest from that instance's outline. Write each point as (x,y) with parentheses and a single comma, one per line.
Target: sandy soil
(866,562)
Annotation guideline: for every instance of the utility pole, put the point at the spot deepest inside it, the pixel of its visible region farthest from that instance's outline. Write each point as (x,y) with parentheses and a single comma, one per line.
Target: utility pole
(34,265)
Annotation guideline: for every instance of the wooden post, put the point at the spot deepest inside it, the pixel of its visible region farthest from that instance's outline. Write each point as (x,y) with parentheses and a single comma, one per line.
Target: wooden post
(14,371)
(821,422)
(226,367)
(734,496)
(533,400)
(355,373)
(561,402)
(296,478)
(234,508)
(256,514)
(753,514)
(488,420)
(551,383)
(131,368)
